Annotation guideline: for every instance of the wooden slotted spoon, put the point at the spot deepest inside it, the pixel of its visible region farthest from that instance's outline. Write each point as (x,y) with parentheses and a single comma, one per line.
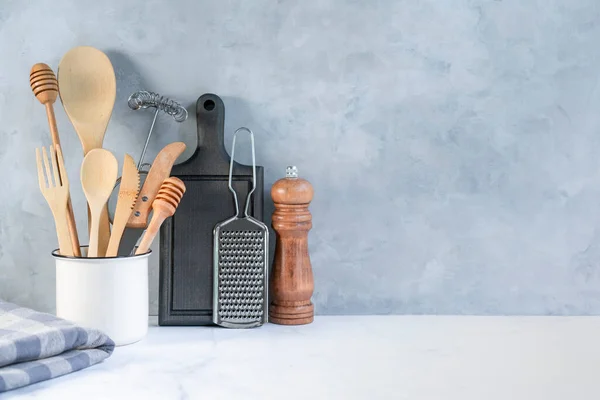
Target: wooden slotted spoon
(98,176)
(87,89)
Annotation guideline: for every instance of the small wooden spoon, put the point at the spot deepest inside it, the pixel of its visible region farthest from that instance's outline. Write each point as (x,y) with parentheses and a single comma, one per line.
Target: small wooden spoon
(164,206)
(98,176)
(88,88)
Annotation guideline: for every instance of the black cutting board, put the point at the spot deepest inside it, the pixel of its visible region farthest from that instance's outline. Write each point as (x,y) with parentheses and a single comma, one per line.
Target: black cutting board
(186,239)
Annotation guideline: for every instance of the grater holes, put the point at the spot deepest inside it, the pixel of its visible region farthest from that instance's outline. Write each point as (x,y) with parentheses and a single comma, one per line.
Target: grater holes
(241,275)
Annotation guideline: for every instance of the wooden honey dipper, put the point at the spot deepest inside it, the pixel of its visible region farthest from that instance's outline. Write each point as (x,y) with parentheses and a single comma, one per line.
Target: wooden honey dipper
(45,88)
(164,206)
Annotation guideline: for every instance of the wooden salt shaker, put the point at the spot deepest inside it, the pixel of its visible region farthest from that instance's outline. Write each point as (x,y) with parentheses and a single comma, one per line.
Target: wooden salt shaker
(291,277)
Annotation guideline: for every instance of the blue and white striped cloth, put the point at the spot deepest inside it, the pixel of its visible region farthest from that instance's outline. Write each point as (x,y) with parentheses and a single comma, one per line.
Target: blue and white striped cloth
(36,346)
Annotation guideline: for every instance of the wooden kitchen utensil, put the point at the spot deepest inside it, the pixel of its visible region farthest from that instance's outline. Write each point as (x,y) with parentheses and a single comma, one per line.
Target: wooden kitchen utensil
(159,171)
(45,88)
(98,176)
(128,192)
(54,185)
(186,239)
(163,207)
(291,277)
(87,87)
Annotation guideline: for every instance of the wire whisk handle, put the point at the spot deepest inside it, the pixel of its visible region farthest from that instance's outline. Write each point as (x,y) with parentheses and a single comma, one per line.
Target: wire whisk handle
(145,99)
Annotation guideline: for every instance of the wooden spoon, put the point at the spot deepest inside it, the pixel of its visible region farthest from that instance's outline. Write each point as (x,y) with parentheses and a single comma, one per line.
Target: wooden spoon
(98,176)
(45,88)
(164,206)
(88,88)
(128,192)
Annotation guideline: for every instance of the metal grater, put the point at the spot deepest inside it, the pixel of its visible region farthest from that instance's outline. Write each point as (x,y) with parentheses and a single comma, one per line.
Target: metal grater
(241,246)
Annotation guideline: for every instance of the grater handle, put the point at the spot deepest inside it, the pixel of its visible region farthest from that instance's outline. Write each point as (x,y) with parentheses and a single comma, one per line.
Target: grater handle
(237,207)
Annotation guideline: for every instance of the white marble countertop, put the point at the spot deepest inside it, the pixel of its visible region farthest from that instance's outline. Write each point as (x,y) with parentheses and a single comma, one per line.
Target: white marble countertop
(362,357)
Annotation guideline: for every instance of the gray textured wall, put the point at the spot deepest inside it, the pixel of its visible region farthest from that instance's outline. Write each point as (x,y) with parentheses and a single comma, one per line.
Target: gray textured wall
(453,145)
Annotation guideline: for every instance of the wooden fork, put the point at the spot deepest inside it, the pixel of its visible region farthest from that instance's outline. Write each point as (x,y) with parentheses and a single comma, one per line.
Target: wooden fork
(54,185)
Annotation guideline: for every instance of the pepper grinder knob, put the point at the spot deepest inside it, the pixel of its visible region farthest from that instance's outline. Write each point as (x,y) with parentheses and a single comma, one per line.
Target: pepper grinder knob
(291,280)
(291,172)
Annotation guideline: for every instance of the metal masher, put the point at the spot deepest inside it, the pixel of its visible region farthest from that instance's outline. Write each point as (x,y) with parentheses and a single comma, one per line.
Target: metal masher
(241,245)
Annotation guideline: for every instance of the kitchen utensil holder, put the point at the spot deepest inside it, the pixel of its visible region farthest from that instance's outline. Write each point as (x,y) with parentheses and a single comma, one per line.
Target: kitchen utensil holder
(109,294)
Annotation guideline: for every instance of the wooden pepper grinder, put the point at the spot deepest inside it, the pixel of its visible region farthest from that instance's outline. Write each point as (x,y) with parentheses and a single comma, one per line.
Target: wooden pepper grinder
(291,277)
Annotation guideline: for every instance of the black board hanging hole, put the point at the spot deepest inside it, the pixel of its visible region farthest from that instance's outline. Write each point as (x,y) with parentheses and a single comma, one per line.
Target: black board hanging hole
(209,105)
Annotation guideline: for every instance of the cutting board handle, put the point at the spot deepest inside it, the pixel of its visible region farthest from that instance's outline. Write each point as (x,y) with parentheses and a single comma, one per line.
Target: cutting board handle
(210,156)
(210,118)
(210,159)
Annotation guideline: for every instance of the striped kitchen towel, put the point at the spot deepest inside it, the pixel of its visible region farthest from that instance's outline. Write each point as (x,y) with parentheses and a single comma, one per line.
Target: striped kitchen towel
(35,346)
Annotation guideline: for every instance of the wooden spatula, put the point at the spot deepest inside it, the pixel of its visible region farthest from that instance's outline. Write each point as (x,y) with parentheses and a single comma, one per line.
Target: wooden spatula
(138,220)
(159,171)
(88,88)
(128,192)
(98,176)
